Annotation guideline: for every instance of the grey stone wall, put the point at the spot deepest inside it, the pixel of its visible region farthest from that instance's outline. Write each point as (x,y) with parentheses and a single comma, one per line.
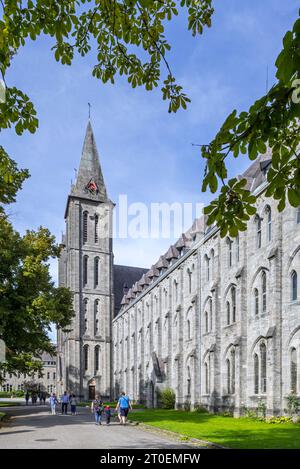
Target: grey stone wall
(188,333)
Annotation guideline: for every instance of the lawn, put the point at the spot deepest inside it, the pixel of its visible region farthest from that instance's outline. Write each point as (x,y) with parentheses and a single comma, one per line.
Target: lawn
(243,433)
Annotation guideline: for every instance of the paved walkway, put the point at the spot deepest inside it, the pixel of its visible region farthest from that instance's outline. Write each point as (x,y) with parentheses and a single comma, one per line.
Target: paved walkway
(34,427)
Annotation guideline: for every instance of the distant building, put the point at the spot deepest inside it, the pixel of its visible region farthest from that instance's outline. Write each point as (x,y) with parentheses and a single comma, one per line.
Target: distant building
(47,383)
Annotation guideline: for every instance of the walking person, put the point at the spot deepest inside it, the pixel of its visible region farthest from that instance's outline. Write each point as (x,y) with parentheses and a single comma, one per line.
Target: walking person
(53,401)
(124,405)
(73,403)
(107,412)
(97,409)
(64,403)
(27,397)
(44,397)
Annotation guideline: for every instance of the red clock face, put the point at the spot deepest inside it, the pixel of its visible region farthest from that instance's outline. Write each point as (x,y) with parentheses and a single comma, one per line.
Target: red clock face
(92,187)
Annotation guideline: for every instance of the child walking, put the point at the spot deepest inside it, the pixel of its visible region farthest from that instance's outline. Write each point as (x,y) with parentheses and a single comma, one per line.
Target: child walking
(107,412)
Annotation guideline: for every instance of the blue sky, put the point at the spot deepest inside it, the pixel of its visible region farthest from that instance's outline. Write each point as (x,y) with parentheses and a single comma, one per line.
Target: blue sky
(145,152)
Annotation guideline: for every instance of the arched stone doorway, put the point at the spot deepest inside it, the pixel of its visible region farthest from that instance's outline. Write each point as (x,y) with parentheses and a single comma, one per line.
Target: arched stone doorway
(92,389)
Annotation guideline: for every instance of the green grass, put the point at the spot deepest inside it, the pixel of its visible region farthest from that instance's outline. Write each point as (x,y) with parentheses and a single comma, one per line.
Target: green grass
(2,414)
(242,433)
(9,404)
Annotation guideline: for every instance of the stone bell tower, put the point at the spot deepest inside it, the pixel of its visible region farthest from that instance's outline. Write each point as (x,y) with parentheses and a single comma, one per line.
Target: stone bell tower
(86,267)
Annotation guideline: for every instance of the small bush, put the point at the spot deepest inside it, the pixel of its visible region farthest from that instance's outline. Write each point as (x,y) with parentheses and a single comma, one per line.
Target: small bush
(249,413)
(200,409)
(279,420)
(262,409)
(167,398)
(226,414)
(293,404)
(187,406)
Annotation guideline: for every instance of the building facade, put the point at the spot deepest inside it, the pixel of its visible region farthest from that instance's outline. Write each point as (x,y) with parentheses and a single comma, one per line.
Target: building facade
(46,383)
(218,320)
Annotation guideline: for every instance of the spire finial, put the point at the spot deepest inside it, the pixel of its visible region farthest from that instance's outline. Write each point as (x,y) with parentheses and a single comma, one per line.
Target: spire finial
(89,105)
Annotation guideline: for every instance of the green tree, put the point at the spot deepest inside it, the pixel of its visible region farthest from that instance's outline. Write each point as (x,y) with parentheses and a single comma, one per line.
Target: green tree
(271,123)
(129,39)
(29,301)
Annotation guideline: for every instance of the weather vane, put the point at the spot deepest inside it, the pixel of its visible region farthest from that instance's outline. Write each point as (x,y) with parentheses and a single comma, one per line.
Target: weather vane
(89,105)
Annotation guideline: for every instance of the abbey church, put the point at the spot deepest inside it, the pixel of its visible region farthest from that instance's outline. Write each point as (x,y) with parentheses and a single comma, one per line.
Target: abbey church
(217,320)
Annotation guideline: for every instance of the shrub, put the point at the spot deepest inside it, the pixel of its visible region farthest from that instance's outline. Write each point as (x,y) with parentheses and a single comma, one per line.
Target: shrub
(262,409)
(167,398)
(226,414)
(187,406)
(249,413)
(200,409)
(279,420)
(293,404)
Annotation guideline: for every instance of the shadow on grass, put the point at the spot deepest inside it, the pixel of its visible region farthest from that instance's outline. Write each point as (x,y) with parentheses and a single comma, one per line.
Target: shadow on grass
(226,431)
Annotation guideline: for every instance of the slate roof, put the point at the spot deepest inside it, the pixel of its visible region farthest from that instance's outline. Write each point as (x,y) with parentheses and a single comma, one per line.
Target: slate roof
(90,169)
(124,274)
(255,175)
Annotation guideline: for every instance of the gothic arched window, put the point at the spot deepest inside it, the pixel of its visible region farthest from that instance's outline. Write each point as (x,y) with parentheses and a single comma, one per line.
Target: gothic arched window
(233,302)
(85,270)
(207,380)
(86,357)
(232,371)
(206,321)
(212,258)
(294,285)
(256,302)
(228,370)
(237,248)
(294,370)
(96,237)
(85,313)
(264,291)
(207,267)
(229,244)
(85,227)
(189,272)
(256,374)
(258,231)
(210,315)
(96,358)
(228,312)
(269,223)
(188,381)
(96,317)
(96,272)
(263,368)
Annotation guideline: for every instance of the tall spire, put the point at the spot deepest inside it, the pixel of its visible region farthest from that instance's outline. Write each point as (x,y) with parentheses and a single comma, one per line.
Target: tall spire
(90,183)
